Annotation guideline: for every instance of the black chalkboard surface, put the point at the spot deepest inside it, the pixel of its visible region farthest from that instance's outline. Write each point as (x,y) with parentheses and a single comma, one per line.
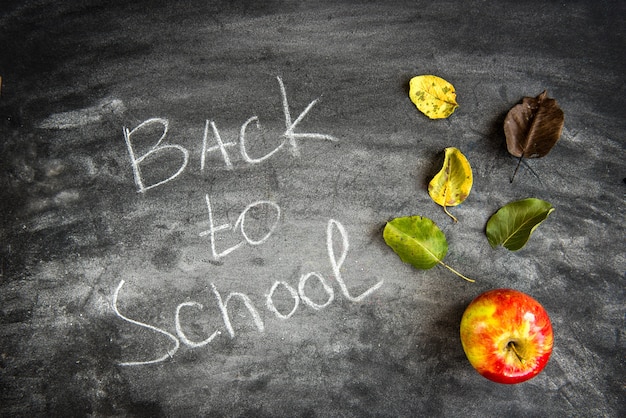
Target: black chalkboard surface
(193,196)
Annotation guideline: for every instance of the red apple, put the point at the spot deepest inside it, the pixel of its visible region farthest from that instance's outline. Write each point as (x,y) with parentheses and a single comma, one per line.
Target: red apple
(506,335)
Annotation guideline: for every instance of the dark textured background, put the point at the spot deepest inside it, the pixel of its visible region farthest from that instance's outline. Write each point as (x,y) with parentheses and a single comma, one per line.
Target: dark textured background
(73,226)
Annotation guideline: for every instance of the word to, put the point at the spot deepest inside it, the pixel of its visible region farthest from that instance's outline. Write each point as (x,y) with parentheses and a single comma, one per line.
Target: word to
(239,224)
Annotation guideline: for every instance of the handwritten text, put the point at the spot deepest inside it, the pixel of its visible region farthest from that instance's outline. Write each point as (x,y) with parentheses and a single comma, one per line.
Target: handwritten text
(298,295)
(289,136)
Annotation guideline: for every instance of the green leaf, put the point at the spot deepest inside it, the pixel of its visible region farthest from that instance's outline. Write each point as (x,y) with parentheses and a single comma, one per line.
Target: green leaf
(418,242)
(513,224)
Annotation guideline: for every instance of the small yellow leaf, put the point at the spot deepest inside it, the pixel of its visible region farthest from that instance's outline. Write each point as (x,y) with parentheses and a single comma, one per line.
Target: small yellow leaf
(452,184)
(433,96)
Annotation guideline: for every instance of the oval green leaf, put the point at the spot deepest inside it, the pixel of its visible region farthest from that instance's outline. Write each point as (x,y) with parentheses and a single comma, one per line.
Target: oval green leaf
(513,224)
(416,240)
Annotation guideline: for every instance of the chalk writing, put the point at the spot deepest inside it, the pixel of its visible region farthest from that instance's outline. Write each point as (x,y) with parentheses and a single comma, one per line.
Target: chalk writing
(289,136)
(221,146)
(328,289)
(269,302)
(267,215)
(241,223)
(169,354)
(179,328)
(156,148)
(222,303)
(336,264)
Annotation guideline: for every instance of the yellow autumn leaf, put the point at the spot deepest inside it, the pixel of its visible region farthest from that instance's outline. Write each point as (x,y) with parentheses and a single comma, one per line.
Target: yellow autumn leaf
(433,96)
(452,184)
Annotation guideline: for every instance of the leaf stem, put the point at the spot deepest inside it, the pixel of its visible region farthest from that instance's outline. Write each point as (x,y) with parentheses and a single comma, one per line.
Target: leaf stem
(449,214)
(456,272)
(517,167)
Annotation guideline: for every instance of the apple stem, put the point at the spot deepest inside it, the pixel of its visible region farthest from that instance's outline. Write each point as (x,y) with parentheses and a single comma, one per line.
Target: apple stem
(511,346)
(456,272)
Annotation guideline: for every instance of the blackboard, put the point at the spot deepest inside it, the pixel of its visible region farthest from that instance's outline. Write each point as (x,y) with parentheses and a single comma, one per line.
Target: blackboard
(193,196)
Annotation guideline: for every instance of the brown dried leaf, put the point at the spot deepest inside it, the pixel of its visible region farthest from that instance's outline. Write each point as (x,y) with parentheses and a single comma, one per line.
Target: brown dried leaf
(533,127)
